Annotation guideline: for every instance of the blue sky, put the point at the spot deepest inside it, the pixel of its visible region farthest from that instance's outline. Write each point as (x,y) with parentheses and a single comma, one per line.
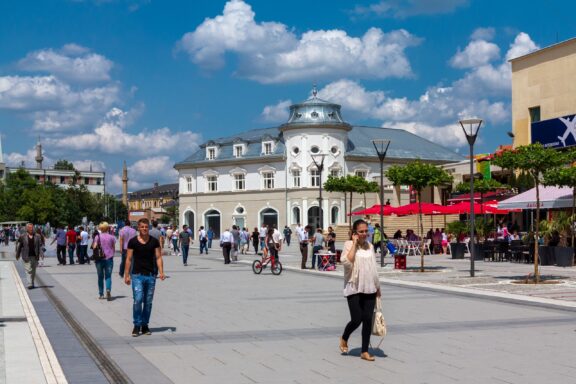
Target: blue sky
(146,81)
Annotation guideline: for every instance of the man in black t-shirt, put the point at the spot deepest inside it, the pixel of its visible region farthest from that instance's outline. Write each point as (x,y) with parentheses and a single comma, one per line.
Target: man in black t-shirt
(144,262)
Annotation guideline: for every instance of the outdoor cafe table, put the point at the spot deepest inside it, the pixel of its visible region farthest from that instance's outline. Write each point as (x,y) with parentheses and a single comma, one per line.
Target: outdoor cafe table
(325,259)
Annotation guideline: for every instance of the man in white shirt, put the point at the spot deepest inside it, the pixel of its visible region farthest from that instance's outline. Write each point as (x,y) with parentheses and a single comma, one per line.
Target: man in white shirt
(303,241)
(262,236)
(277,237)
(84,247)
(203,240)
(226,242)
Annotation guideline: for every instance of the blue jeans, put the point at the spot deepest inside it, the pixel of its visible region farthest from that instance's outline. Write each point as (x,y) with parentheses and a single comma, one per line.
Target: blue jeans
(262,244)
(315,250)
(203,246)
(83,258)
(185,249)
(209,243)
(104,269)
(175,244)
(122,263)
(71,248)
(143,293)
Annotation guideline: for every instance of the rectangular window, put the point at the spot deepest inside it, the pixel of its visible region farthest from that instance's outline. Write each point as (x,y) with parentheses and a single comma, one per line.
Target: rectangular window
(296,178)
(238,151)
(86,180)
(98,181)
(268,180)
(240,182)
(267,148)
(335,173)
(189,183)
(211,153)
(314,178)
(362,174)
(62,180)
(534,114)
(212,183)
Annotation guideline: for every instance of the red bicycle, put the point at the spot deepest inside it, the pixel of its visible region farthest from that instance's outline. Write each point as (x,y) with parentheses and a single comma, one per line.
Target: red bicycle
(259,265)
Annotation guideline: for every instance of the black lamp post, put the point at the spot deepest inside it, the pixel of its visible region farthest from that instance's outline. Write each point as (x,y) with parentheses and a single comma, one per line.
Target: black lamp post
(318,159)
(381,149)
(471,128)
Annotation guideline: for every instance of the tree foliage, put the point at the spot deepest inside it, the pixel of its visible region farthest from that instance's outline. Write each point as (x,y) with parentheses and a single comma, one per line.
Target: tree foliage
(418,175)
(535,160)
(481,186)
(351,184)
(22,198)
(64,165)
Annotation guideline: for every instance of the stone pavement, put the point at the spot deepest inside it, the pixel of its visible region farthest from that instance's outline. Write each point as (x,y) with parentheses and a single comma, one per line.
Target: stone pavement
(216,323)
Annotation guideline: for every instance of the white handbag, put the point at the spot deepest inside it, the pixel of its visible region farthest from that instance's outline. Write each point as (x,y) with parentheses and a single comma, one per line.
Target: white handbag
(378,322)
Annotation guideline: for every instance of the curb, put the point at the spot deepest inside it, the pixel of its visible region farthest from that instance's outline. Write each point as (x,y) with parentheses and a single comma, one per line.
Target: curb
(50,365)
(466,292)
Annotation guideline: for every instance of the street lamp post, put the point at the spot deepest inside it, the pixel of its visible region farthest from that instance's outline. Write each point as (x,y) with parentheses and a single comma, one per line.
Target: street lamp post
(381,149)
(471,128)
(318,159)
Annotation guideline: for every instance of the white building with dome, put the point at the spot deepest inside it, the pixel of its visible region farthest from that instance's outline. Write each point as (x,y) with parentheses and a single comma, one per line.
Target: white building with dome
(269,176)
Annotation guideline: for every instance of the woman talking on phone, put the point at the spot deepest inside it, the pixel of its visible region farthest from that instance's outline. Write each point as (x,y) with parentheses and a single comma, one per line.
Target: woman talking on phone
(361,286)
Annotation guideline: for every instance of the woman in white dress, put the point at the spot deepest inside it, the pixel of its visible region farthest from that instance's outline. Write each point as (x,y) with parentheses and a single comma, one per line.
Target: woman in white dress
(361,286)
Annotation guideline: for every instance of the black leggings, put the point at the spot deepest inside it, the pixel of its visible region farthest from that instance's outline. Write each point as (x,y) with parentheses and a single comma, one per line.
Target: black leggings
(361,306)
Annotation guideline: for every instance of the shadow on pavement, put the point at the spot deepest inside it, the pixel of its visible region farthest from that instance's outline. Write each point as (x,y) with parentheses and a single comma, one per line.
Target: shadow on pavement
(163,329)
(376,352)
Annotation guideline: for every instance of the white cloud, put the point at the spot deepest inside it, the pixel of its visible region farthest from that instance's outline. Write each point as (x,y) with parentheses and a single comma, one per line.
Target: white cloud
(71,63)
(270,53)
(483,91)
(406,8)
(86,165)
(277,112)
(483,34)
(64,99)
(145,172)
(477,52)
(110,137)
(15,159)
(114,183)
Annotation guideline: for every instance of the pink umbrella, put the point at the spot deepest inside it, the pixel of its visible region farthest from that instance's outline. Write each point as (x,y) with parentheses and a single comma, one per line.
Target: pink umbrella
(414,208)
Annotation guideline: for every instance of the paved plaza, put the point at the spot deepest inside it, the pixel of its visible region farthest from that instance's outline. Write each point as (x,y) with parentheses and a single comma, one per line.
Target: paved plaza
(216,323)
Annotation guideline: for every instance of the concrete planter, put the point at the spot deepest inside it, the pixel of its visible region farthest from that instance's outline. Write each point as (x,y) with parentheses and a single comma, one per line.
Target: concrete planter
(457,250)
(564,256)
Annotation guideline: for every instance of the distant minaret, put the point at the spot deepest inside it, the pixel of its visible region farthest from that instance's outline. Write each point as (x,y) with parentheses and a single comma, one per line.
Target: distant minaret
(39,156)
(125,184)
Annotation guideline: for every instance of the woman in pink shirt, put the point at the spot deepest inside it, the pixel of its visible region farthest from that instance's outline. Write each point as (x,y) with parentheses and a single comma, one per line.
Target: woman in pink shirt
(107,243)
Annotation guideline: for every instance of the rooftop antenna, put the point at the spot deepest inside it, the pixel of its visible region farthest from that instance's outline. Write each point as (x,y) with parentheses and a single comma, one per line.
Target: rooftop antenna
(314,90)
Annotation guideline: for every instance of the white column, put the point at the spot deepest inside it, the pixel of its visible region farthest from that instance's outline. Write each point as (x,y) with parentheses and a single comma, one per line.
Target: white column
(304,212)
(326,215)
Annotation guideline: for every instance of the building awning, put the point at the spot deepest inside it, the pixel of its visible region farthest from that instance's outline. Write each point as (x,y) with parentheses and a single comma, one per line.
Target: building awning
(550,197)
(466,196)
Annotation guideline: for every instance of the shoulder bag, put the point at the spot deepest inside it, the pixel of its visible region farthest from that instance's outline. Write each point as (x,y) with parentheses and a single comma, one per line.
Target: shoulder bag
(97,253)
(378,322)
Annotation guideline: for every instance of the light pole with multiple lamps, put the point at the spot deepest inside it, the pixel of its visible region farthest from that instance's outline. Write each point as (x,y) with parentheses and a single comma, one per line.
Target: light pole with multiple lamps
(381,149)
(471,128)
(318,159)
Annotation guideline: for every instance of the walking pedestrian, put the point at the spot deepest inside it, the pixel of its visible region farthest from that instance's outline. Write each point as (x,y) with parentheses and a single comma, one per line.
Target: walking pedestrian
(203,239)
(303,242)
(175,237)
(287,235)
(71,243)
(262,236)
(361,286)
(157,234)
(144,261)
(277,237)
(184,240)
(271,245)
(226,241)
(236,236)
(107,245)
(28,248)
(60,240)
(126,234)
(83,258)
(42,248)
(169,238)
(331,240)
(210,235)
(255,236)
(244,241)
(6,236)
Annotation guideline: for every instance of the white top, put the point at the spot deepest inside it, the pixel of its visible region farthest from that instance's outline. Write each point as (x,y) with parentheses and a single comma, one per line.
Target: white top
(84,236)
(364,266)
(227,237)
(201,234)
(263,231)
(302,235)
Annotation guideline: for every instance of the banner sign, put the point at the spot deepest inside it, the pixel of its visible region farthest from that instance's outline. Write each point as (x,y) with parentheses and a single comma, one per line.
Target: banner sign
(555,133)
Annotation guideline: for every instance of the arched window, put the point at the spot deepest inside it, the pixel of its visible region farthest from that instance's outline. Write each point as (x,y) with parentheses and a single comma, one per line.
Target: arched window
(295,215)
(269,217)
(334,212)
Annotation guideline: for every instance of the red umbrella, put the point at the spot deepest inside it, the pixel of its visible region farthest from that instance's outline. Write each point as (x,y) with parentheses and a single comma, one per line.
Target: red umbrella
(375,210)
(464,207)
(414,209)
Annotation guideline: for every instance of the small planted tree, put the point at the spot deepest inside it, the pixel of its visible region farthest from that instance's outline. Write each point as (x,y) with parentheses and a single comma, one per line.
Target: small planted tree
(419,175)
(563,177)
(350,184)
(534,160)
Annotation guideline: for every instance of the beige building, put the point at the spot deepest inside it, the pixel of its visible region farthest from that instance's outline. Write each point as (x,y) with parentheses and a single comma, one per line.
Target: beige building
(543,88)
(272,175)
(151,203)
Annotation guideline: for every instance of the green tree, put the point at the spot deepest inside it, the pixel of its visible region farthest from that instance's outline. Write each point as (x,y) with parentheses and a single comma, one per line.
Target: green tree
(534,160)
(349,185)
(419,175)
(481,186)
(64,165)
(563,177)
